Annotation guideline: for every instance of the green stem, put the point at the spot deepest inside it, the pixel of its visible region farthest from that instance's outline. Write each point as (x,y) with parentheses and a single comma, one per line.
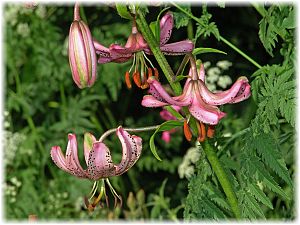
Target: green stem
(161,59)
(222,177)
(240,52)
(221,38)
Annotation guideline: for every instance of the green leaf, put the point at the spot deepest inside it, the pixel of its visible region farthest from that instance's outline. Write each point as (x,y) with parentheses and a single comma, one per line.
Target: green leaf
(267,179)
(267,146)
(197,51)
(168,125)
(274,89)
(259,195)
(252,203)
(180,78)
(290,21)
(174,112)
(123,11)
(181,19)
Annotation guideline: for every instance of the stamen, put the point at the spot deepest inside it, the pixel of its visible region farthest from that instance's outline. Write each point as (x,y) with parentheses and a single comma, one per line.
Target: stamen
(133,62)
(201,131)
(93,191)
(150,72)
(145,85)
(99,196)
(156,73)
(127,80)
(187,132)
(147,59)
(210,131)
(115,194)
(137,79)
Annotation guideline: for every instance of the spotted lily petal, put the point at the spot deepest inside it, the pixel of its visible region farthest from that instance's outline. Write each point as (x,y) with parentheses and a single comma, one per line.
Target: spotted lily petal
(243,94)
(204,112)
(178,48)
(72,161)
(166,26)
(100,49)
(100,164)
(131,148)
(228,96)
(59,158)
(158,91)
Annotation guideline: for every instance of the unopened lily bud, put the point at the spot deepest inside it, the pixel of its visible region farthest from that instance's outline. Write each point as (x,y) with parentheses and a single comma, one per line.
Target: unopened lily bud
(82,54)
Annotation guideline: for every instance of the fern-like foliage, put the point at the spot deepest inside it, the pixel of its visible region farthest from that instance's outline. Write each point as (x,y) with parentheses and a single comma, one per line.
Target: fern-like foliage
(275,90)
(205,27)
(205,200)
(276,21)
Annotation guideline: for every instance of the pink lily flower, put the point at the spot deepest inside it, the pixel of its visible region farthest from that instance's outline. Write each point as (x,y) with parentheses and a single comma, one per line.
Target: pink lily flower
(97,156)
(202,103)
(166,115)
(136,47)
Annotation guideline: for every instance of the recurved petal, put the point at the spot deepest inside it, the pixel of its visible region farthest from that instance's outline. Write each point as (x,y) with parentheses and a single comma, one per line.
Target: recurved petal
(177,48)
(150,101)
(158,91)
(100,49)
(243,94)
(72,162)
(237,90)
(89,139)
(131,150)
(100,164)
(117,51)
(166,26)
(203,112)
(59,158)
(201,73)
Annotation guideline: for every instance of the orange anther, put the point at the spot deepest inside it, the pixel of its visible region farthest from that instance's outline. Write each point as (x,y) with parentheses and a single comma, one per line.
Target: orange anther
(137,79)
(156,73)
(201,131)
(145,85)
(150,72)
(187,132)
(210,131)
(127,80)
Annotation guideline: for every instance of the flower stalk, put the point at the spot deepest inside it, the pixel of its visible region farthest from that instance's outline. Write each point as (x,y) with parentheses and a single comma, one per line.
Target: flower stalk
(161,59)
(222,177)
(140,129)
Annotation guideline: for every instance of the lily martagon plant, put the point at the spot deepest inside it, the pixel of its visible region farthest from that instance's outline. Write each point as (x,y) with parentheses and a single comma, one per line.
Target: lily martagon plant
(82,54)
(136,47)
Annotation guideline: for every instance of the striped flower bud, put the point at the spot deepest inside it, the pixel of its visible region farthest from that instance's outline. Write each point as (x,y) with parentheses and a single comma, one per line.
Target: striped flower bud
(82,54)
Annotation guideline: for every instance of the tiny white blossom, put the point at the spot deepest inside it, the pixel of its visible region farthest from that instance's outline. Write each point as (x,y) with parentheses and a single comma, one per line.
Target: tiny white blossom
(206,64)
(214,71)
(23,29)
(224,64)
(224,81)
